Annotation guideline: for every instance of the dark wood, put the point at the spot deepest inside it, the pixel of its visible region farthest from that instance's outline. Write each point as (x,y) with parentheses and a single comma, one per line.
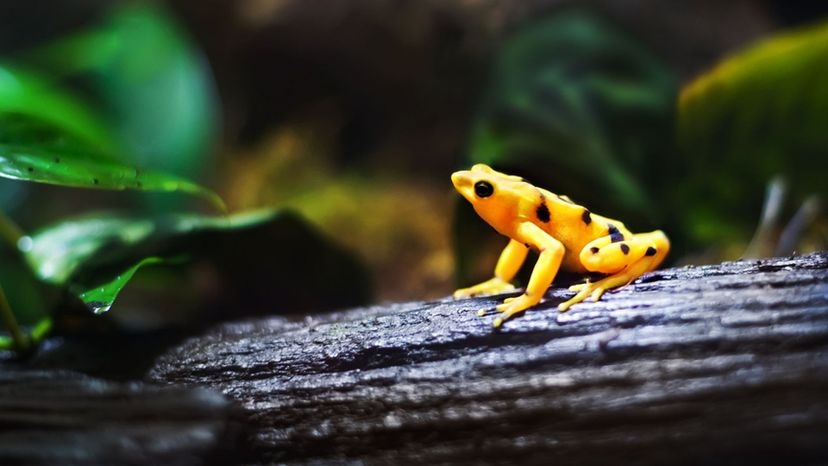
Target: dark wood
(714,364)
(55,417)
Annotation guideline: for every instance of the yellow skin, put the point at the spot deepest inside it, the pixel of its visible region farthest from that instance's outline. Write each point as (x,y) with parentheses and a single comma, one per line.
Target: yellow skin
(567,236)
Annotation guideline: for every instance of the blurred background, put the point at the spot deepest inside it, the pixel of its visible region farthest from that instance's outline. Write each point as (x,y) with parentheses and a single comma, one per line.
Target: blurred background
(707,119)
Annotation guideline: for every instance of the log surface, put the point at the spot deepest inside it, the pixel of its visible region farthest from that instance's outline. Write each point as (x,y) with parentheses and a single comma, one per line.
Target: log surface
(56,417)
(713,364)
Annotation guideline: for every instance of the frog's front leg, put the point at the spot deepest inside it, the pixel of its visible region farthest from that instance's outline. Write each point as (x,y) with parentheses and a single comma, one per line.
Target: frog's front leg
(549,261)
(623,258)
(507,267)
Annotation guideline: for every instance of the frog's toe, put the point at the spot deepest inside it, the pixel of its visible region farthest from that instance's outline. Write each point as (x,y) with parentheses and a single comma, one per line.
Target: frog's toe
(489,287)
(582,294)
(463,293)
(579,287)
(593,291)
(509,300)
(564,306)
(514,306)
(501,288)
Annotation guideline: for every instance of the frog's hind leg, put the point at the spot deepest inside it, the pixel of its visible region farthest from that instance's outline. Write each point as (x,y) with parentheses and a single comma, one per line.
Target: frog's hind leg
(624,260)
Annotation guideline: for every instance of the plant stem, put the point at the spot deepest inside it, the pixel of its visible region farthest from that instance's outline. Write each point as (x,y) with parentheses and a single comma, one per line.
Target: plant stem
(21,343)
(9,231)
(40,331)
(11,234)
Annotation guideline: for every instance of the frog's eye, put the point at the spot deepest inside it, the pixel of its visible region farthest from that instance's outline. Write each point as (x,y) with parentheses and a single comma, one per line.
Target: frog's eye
(483,189)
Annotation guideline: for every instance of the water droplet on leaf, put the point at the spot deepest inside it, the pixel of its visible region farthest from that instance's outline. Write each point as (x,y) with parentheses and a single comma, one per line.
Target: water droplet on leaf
(25,244)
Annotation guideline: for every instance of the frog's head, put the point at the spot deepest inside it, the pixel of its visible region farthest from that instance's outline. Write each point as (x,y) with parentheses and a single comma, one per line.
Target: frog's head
(494,195)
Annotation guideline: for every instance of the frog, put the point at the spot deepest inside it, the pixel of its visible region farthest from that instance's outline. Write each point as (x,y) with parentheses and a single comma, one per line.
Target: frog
(567,236)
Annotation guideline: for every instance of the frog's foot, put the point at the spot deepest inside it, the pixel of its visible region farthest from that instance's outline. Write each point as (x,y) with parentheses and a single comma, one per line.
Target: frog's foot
(489,287)
(578,288)
(485,312)
(583,291)
(512,306)
(597,289)
(509,300)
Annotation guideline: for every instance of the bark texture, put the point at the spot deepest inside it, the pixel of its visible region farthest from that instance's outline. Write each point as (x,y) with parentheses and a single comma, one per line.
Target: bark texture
(713,364)
(59,417)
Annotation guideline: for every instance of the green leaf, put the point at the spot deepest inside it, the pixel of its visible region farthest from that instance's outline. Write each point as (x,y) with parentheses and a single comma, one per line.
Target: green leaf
(100,298)
(32,110)
(759,114)
(83,245)
(160,91)
(30,299)
(66,168)
(48,137)
(267,257)
(152,82)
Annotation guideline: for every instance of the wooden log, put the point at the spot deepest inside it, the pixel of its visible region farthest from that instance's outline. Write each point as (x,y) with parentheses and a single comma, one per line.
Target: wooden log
(60,417)
(712,364)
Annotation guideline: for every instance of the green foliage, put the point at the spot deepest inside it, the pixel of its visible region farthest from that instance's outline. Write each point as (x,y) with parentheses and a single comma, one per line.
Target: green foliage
(32,109)
(95,257)
(101,297)
(759,114)
(24,299)
(129,92)
(47,136)
(149,80)
(29,297)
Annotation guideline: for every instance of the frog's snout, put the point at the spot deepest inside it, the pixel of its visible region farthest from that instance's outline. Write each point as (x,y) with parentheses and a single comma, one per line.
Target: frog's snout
(461,179)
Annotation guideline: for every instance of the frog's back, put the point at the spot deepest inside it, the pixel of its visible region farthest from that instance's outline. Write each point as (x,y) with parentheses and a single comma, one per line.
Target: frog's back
(573,225)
